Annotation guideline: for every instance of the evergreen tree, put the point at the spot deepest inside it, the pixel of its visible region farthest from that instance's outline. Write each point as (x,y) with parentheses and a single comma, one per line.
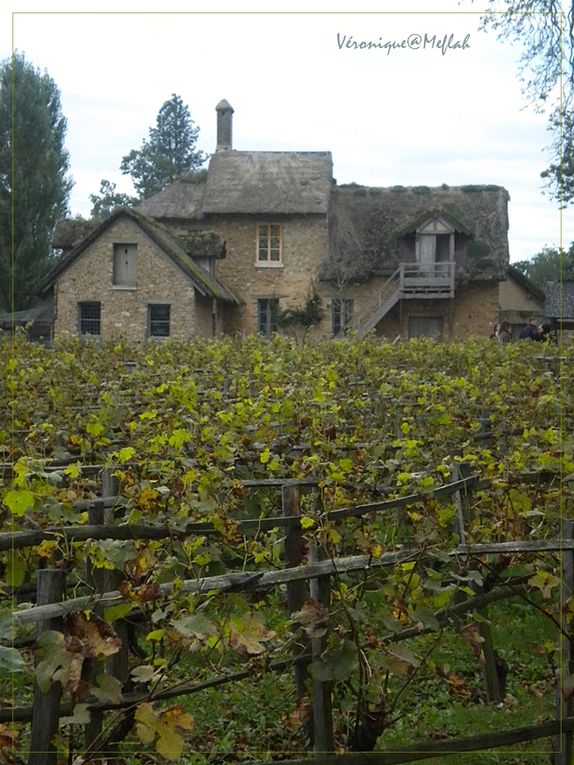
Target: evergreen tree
(108,200)
(168,153)
(34,185)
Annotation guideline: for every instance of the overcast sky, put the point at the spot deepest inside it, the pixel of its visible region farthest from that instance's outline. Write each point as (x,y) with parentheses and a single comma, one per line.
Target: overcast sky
(419,115)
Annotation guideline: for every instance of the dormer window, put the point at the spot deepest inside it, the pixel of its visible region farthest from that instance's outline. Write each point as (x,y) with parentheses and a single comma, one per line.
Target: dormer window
(434,245)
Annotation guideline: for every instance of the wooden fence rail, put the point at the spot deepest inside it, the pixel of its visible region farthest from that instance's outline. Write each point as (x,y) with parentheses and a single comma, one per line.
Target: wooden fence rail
(22,539)
(245,580)
(302,580)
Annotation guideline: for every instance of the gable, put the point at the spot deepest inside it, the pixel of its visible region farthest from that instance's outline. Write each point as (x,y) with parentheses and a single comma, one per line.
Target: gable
(165,241)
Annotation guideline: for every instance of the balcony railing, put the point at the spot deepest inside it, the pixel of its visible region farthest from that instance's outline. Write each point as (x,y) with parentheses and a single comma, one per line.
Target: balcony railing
(408,282)
(431,279)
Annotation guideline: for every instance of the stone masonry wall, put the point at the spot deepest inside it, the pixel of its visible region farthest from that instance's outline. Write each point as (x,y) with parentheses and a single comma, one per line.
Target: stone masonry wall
(471,313)
(304,248)
(124,310)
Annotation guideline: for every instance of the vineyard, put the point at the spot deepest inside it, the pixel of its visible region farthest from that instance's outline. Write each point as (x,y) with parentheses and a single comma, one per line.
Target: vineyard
(251,550)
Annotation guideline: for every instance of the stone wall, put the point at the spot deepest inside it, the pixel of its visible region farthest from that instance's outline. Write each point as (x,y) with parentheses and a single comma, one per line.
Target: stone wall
(304,246)
(124,310)
(471,313)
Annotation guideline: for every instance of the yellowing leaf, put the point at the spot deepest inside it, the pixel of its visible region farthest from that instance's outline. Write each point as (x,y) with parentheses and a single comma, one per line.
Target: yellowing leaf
(146,721)
(170,745)
(19,500)
(125,454)
(248,633)
(155,635)
(73,471)
(545,582)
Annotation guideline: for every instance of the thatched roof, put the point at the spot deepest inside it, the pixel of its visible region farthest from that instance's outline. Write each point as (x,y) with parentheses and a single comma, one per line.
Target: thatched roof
(368,225)
(268,182)
(559,303)
(182,199)
(173,248)
(70,231)
(248,182)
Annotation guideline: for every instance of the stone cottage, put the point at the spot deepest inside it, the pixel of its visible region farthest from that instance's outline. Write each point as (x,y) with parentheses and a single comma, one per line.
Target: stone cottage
(230,250)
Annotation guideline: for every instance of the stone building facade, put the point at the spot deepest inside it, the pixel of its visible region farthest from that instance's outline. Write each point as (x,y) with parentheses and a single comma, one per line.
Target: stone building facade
(234,249)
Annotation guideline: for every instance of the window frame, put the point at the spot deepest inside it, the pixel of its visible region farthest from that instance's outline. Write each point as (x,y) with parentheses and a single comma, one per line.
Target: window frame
(151,321)
(341,315)
(267,261)
(120,282)
(427,317)
(435,237)
(83,320)
(267,323)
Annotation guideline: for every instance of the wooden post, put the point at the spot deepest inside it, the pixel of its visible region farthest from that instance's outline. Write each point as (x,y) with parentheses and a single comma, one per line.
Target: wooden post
(320,690)
(46,706)
(489,662)
(565,708)
(117,665)
(462,506)
(96,578)
(296,591)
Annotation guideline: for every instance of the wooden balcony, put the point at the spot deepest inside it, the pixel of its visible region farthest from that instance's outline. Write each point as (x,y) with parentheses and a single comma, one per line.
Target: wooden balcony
(411,281)
(433,280)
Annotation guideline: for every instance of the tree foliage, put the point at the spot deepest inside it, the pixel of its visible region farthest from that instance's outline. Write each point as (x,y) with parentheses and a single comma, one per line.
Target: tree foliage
(108,200)
(549,265)
(34,184)
(545,29)
(168,153)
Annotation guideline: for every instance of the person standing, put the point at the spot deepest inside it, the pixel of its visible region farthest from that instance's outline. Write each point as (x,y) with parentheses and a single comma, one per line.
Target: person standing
(530,331)
(502,333)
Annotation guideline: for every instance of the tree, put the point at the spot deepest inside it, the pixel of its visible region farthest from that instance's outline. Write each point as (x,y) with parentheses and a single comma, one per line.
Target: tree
(34,185)
(168,153)
(549,265)
(109,200)
(545,29)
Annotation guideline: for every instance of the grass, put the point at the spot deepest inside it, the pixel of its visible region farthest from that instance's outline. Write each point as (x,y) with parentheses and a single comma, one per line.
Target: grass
(258,719)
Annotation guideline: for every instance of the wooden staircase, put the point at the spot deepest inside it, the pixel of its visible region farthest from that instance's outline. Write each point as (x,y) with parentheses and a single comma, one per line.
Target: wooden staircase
(410,281)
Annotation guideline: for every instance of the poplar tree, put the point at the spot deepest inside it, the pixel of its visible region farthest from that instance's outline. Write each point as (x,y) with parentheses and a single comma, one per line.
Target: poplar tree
(34,184)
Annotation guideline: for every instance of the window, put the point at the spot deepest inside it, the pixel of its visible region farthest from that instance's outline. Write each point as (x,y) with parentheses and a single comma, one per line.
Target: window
(267,311)
(435,247)
(269,244)
(426,326)
(90,315)
(158,320)
(125,262)
(341,315)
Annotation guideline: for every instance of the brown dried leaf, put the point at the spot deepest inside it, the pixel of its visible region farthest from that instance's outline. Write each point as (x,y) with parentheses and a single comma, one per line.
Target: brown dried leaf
(97,638)
(313,617)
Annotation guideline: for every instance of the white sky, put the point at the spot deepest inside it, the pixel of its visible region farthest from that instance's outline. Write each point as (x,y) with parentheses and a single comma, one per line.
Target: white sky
(410,117)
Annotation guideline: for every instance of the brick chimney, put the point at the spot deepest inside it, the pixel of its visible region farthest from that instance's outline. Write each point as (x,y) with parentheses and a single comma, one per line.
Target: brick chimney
(224,125)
